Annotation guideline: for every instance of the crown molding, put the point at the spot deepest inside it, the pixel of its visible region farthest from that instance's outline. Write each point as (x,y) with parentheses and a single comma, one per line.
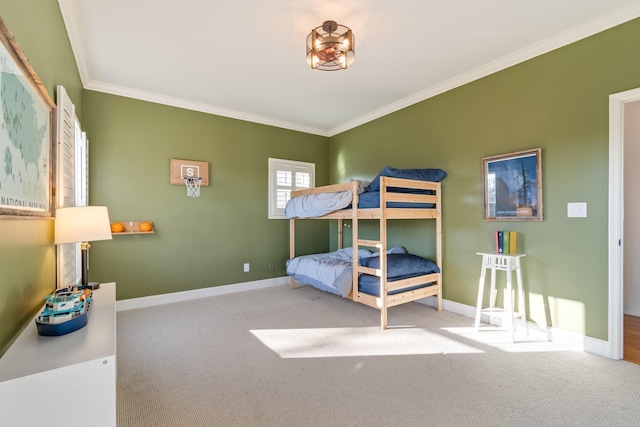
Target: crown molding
(70,16)
(203,108)
(552,43)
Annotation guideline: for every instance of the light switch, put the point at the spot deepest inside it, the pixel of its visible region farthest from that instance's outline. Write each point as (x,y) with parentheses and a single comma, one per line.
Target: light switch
(577,210)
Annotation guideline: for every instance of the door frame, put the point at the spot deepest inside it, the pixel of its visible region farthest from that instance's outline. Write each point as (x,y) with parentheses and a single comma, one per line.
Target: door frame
(617,103)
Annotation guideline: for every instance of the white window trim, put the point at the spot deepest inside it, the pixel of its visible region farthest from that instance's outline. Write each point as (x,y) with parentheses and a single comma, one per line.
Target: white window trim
(81,166)
(72,182)
(274,166)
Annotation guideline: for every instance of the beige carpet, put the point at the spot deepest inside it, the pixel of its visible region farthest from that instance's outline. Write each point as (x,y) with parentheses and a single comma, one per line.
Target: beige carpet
(276,357)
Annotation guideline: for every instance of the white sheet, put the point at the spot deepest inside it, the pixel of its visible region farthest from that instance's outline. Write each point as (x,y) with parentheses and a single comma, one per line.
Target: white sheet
(330,272)
(315,205)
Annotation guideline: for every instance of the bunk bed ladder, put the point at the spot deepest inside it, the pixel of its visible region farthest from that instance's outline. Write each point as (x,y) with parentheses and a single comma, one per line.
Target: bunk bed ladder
(381,247)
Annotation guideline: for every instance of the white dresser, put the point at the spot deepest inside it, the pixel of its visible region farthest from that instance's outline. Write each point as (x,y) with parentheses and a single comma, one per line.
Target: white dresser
(68,380)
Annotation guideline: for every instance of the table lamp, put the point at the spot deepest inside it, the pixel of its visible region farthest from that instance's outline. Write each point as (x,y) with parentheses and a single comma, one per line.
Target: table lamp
(82,224)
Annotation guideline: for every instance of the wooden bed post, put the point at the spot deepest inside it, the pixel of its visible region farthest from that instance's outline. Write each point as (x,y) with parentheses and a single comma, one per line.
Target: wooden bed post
(439,241)
(340,244)
(355,262)
(292,248)
(383,253)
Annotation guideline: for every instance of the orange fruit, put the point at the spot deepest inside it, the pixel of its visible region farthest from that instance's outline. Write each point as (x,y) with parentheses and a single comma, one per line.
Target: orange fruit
(117,227)
(146,226)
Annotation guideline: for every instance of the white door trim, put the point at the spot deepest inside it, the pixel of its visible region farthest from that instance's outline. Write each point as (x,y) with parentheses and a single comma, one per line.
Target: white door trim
(616,219)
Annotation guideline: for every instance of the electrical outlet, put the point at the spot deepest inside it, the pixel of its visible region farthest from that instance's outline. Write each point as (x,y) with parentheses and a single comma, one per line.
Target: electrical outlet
(246,267)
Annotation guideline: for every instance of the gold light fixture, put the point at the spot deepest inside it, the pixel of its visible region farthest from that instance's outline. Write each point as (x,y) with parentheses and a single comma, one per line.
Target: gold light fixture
(331,47)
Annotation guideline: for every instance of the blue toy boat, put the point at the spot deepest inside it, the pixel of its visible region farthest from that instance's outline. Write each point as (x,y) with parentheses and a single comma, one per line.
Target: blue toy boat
(65,311)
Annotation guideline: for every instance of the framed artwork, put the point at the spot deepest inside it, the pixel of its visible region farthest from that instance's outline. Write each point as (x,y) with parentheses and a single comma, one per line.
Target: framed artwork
(512,185)
(27,136)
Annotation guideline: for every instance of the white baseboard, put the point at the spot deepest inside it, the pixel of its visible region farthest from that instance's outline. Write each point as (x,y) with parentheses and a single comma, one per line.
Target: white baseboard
(566,339)
(632,308)
(133,303)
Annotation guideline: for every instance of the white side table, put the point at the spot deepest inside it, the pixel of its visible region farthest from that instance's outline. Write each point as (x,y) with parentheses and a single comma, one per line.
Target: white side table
(507,263)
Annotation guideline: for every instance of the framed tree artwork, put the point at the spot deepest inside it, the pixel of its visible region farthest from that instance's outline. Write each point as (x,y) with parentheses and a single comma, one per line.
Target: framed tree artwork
(512,185)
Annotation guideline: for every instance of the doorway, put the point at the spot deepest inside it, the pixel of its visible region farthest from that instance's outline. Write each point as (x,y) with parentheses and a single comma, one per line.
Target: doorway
(617,104)
(631,242)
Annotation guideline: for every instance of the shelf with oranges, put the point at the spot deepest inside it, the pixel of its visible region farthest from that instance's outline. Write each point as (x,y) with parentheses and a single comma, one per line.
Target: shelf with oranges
(131,227)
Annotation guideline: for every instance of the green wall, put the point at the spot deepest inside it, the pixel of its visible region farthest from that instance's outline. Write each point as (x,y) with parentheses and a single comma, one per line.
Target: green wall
(27,253)
(198,242)
(559,102)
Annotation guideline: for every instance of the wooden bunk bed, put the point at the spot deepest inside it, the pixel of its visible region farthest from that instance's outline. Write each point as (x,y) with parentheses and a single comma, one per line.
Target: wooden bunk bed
(396,192)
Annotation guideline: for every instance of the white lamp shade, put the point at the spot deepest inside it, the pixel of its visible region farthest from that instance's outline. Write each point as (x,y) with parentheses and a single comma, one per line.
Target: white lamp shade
(82,224)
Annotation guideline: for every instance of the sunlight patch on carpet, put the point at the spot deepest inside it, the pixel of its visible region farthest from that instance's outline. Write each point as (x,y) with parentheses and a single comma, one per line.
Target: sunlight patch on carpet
(533,342)
(349,342)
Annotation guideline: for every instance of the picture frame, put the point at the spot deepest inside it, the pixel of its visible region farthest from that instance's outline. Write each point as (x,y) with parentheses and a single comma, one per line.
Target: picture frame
(512,186)
(27,136)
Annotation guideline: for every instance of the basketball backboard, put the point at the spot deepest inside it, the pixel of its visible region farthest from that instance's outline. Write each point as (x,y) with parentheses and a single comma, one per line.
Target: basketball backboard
(181,169)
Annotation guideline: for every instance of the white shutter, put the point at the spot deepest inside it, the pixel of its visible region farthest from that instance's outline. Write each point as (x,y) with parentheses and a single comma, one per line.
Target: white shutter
(286,176)
(283,181)
(66,195)
(81,182)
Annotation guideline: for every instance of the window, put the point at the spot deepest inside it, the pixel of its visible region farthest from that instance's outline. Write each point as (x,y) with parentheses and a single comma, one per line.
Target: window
(286,176)
(81,167)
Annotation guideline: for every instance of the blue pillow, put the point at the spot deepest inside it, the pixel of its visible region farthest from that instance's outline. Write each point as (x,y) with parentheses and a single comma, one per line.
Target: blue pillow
(433,175)
(403,265)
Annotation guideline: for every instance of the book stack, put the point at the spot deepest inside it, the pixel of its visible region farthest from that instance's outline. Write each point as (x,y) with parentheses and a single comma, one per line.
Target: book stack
(506,242)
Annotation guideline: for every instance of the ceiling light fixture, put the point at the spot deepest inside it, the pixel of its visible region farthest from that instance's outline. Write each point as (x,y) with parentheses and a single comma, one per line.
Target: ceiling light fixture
(331,47)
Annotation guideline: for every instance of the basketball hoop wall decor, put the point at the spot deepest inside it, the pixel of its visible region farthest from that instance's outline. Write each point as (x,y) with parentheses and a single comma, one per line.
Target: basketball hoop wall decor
(190,173)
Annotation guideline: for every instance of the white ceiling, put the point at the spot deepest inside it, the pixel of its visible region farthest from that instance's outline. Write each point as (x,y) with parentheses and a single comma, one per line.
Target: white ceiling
(246,58)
